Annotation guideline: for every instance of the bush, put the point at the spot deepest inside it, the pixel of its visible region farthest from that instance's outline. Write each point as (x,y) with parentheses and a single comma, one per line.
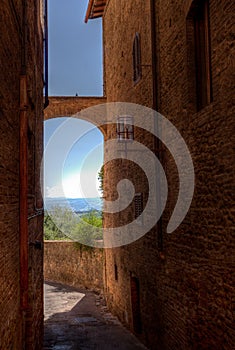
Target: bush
(58,225)
(63,225)
(88,229)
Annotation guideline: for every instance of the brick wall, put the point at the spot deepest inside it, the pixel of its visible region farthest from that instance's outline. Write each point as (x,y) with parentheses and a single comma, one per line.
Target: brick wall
(122,20)
(185,287)
(73,264)
(20,329)
(199,254)
(9,188)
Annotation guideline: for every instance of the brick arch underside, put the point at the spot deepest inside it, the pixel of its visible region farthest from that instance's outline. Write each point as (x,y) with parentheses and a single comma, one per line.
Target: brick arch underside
(69,106)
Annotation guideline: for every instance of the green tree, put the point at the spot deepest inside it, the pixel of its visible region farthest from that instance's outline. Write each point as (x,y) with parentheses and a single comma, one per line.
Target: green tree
(51,230)
(58,223)
(88,229)
(61,224)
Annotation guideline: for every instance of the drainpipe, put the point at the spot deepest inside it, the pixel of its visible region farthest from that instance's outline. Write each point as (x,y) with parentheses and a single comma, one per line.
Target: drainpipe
(24,283)
(46,103)
(155,106)
(154,54)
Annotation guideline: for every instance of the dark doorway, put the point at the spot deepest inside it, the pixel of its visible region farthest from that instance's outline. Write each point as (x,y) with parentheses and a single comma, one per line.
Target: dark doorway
(135,304)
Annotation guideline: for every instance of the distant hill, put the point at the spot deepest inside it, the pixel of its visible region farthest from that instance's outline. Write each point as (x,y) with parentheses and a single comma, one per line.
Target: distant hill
(78,205)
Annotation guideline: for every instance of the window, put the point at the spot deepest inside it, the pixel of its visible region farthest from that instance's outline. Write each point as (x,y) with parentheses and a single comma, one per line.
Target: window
(198,34)
(125,129)
(138,199)
(116,272)
(136,53)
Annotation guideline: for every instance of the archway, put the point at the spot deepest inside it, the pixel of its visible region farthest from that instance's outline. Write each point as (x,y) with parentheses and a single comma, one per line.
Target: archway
(69,106)
(64,261)
(73,128)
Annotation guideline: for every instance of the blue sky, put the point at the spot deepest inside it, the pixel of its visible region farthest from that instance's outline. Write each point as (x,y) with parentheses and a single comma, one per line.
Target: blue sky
(75,50)
(73,156)
(75,66)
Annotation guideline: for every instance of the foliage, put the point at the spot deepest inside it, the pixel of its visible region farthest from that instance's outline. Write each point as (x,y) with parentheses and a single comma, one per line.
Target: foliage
(58,225)
(101,179)
(51,230)
(88,229)
(84,228)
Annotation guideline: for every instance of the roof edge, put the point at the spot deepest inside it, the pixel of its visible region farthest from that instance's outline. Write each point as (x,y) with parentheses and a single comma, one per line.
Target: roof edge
(88,12)
(95,9)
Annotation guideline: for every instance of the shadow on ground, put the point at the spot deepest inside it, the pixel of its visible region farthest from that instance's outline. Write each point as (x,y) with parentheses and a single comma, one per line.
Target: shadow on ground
(77,319)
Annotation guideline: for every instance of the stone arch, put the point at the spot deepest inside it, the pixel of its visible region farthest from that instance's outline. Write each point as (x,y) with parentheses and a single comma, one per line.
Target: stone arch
(64,106)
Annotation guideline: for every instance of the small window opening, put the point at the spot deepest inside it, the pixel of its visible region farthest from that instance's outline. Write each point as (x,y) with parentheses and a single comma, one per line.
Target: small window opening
(116,272)
(136,53)
(198,33)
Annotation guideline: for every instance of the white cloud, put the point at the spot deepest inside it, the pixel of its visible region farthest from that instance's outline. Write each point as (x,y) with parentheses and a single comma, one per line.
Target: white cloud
(76,186)
(54,191)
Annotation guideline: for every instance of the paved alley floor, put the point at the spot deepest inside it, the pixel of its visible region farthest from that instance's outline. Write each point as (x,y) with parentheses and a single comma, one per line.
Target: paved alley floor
(75,319)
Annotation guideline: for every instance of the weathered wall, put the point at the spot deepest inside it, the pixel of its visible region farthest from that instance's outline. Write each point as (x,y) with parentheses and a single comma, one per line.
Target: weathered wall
(73,264)
(121,21)
(186,287)
(10,332)
(195,281)
(20,329)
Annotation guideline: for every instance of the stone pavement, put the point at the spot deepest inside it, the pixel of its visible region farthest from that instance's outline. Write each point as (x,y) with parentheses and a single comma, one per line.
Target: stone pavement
(79,320)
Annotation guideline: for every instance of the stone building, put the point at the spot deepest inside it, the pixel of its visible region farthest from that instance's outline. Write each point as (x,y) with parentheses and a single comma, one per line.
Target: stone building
(21,214)
(175,290)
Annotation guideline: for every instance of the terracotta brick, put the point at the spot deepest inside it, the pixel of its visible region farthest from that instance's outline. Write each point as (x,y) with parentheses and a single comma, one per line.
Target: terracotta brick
(186,287)
(18,329)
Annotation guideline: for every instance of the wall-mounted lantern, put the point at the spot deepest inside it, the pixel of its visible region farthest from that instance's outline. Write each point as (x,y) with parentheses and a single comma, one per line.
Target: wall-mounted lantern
(125,128)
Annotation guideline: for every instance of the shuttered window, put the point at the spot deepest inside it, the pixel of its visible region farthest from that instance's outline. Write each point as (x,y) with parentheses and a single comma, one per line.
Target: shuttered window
(138,199)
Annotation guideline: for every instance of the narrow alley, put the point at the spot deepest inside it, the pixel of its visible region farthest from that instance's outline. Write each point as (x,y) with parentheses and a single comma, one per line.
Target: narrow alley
(139,204)
(78,319)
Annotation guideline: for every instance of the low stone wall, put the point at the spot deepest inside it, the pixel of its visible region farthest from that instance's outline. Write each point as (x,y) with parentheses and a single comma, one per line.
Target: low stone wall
(73,264)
